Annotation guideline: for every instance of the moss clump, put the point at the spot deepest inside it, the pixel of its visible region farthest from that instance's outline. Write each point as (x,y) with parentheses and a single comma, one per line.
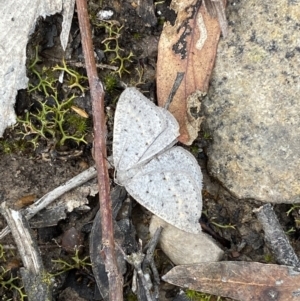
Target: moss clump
(198,296)
(110,82)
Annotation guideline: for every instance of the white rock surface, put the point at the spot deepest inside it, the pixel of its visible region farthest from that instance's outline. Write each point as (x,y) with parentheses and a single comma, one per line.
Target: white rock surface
(183,247)
(17,22)
(252,110)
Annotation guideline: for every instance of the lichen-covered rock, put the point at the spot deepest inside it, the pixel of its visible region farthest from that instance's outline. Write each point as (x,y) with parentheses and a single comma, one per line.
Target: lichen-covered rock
(253,107)
(17,22)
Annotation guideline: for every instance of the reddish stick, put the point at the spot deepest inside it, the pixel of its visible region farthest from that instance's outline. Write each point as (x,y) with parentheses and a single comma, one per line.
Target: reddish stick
(97,95)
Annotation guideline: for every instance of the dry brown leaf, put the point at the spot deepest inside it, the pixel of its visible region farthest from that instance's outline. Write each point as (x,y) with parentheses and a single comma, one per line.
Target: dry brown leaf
(239,280)
(190,47)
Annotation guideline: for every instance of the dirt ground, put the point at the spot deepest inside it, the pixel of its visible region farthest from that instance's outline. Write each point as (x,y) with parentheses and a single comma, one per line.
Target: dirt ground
(36,172)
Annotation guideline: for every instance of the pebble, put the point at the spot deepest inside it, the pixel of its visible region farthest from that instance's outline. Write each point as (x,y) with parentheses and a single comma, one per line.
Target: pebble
(183,247)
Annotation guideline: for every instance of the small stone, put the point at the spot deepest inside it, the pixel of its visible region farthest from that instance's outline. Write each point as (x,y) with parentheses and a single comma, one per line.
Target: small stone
(183,247)
(70,294)
(71,240)
(235,254)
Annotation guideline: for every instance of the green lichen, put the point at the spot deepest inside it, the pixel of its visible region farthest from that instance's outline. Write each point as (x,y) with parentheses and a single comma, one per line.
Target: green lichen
(43,80)
(9,283)
(293,207)
(137,78)
(52,121)
(75,79)
(76,263)
(227,226)
(117,55)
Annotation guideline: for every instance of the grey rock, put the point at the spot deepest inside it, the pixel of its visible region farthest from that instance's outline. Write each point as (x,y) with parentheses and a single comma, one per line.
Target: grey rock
(183,247)
(252,108)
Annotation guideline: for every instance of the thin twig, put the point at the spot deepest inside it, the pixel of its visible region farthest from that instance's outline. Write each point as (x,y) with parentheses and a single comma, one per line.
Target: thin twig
(97,95)
(149,260)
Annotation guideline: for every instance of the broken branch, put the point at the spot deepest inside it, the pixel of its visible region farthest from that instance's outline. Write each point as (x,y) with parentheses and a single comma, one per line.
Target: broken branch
(37,286)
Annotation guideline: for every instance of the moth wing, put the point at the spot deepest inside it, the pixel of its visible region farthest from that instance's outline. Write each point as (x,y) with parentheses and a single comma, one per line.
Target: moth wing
(170,187)
(141,130)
